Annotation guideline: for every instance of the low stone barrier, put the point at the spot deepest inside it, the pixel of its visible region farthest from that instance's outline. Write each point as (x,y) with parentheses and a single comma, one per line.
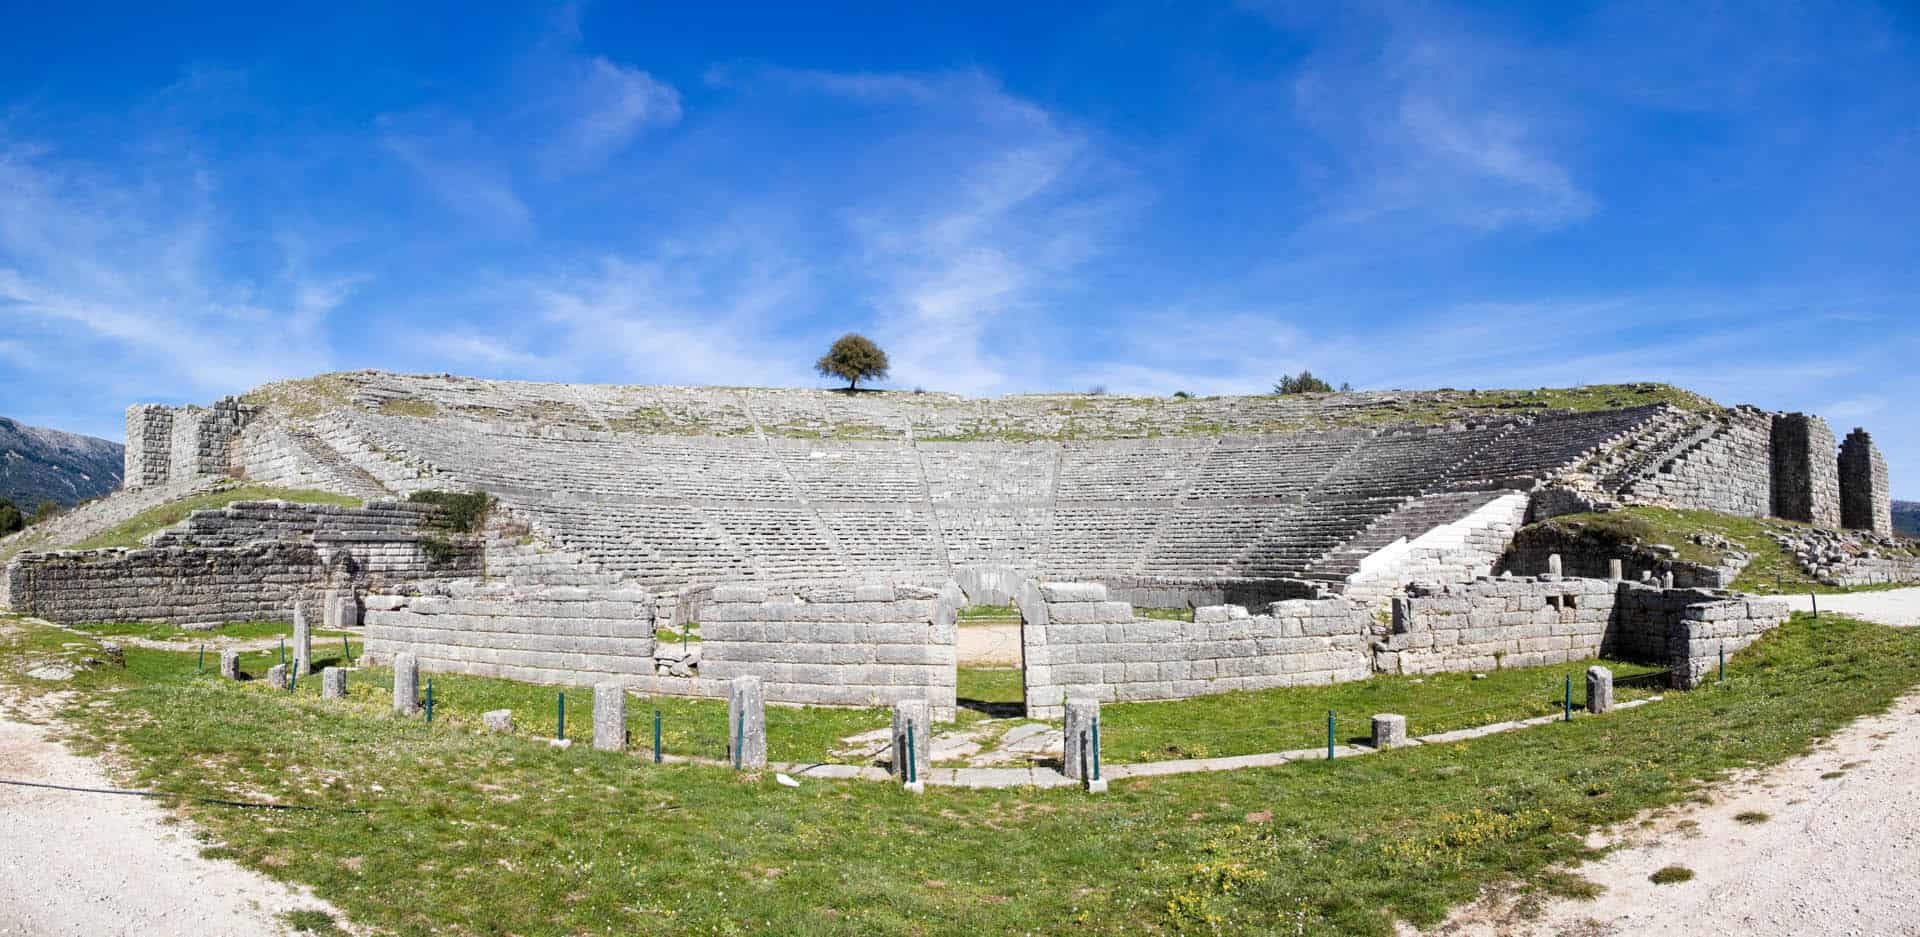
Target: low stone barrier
(562,635)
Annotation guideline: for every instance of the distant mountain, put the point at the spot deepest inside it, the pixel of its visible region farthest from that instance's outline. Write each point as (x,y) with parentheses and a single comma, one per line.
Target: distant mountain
(46,464)
(1906,517)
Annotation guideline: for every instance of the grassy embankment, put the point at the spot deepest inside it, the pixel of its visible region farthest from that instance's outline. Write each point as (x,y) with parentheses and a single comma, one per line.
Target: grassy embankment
(129,533)
(1772,572)
(464,833)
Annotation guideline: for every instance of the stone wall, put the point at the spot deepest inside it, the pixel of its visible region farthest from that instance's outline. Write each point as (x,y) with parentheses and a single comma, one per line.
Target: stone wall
(870,645)
(173,585)
(178,444)
(1535,621)
(1460,551)
(1076,641)
(1806,477)
(1866,498)
(238,563)
(568,636)
(1728,469)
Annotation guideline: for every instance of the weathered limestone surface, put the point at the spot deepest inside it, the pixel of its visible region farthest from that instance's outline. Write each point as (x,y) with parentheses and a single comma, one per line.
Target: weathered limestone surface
(1722,464)
(498,721)
(1389,730)
(247,561)
(560,635)
(1599,690)
(406,684)
(746,723)
(230,664)
(610,716)
(277,677)
(1866,497)
(1076,642)
(862,646)
(1078,751)
(333,683)
(302,638)
(919,716)
(1806,477)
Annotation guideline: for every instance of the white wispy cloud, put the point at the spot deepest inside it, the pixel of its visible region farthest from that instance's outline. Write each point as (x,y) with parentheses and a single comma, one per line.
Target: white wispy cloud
(121,274)
(1432,125)
(604,108)
(454,162)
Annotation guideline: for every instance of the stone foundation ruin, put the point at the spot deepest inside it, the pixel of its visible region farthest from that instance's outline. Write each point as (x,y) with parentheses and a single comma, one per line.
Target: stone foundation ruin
(823,541)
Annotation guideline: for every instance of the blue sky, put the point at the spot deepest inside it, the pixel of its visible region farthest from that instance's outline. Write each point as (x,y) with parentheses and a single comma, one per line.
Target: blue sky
(1150,197)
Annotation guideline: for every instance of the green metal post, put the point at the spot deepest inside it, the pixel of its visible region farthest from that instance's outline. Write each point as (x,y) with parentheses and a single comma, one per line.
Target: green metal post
(293,681)
(560,729)
(1723,662)
(913,761)
(200,666)
(1816,604)
(346,653)
(1329,735)
(429,700)
(656,736)
(739,741)
(1569,701)
(283,650)
(1096,748)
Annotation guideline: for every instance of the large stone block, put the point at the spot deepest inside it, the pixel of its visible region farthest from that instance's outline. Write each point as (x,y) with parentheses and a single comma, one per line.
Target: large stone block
(1080,742)
(609,716)
(746,723)
(912,740)
(406,684)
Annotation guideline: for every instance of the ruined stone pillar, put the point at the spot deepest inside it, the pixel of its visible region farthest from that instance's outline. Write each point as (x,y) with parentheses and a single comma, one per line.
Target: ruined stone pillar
(1806,475)
(277,676)
(342,609)
(1080,746)
(610,716)
(406,684)
(333,683)
(746,723)
(1599,690)
(302,638)
(1389,730)
(1866,501)
(1616,570)
(916,714)
(230,664)
(1666,579)
(1553,565)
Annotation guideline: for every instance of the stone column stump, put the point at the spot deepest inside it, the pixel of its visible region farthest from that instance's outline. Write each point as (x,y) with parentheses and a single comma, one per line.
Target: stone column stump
(610,716)
(918,714)
(406,684)
(746,723)
(333,683)
(1389,731)
(277,676)
(1616,571)
(1080,746)
(1599,690)
(302,639)
(230,664)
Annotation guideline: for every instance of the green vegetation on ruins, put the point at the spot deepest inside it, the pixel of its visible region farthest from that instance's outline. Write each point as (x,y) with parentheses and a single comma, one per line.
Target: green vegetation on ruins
(129,533)
(1773,570)
(161,631)
(464,832)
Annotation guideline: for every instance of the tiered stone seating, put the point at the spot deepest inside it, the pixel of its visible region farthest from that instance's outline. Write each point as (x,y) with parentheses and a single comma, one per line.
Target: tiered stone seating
(1273,466)
(677,486)
(1129,471)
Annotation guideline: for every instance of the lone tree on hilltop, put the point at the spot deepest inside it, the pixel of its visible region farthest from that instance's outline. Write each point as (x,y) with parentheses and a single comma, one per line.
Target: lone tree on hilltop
(855,358)
(1306,383)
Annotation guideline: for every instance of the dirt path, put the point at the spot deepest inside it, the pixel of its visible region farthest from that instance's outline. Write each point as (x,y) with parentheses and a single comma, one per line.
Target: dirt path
(87,865)
(1897,607)
(1837,853)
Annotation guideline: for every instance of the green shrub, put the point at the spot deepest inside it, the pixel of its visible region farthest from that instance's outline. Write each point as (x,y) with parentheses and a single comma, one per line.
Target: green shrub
(461,512)
(10,520)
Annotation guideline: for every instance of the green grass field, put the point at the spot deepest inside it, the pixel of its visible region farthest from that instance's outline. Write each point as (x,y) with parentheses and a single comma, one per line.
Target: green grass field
(444,830)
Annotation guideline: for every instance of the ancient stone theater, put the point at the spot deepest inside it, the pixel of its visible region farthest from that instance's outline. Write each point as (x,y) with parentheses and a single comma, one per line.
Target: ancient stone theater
(825,541)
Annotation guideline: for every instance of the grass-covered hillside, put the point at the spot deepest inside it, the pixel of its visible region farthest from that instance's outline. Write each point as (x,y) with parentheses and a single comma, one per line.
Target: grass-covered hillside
(1772,571)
